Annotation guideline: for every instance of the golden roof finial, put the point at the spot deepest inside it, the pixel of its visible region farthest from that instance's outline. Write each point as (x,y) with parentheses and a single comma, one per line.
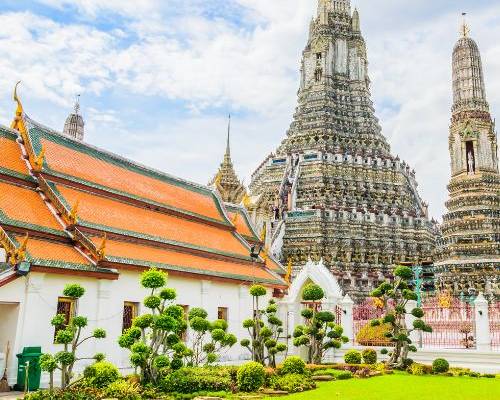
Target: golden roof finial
(73,214)
(101,252)
(464,30)
(16,123)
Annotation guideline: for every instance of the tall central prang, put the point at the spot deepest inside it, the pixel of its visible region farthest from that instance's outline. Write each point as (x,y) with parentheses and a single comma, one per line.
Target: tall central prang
(332,190)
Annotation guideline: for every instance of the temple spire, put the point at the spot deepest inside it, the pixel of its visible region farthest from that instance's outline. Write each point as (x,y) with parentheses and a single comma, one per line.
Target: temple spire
(226,181)
(74,125)
(469,91)
(228,147)
(464,28)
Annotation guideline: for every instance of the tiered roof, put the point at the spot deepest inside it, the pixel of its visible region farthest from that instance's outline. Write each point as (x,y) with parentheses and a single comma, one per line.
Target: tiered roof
(103,213)
(29,230)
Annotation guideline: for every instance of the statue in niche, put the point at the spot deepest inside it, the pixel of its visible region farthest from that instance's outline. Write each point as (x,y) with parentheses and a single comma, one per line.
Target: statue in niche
(470,163)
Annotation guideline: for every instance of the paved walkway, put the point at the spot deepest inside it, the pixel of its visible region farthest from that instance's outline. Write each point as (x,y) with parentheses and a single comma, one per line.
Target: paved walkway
(11,395)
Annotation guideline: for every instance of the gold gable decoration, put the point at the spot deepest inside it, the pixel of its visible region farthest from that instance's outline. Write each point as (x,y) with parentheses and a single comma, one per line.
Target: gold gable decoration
(101,252)
(73,214)
(15,254)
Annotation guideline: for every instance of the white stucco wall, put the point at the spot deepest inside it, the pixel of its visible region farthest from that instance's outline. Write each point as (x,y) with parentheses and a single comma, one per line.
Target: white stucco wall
(102,304)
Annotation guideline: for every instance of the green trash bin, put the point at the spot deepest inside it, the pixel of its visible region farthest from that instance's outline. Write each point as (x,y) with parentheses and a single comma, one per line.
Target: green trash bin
(29,355)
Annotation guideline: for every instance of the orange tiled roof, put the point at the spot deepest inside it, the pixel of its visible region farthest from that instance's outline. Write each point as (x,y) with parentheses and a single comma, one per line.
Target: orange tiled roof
(24,207)
(39,249)
(73,160)
(241,224)
(131,253)
(106,212)
(11,156)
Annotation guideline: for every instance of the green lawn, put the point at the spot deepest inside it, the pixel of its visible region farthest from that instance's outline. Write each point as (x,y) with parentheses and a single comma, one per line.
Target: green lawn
(405,387)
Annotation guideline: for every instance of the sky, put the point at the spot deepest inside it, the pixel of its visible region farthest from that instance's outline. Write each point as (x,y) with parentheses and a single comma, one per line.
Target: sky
(157,78)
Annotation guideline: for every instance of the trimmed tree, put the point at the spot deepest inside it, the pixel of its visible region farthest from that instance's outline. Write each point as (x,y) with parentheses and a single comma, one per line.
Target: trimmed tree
(154,338)
(265,330)
(209,338)
(395,297)
(70,335)
(320,333)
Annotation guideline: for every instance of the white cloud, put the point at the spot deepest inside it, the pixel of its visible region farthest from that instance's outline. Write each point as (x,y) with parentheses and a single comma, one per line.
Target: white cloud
(178,50)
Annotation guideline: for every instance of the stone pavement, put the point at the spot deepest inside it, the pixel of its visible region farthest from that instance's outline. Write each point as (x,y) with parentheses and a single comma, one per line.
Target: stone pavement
(11,395)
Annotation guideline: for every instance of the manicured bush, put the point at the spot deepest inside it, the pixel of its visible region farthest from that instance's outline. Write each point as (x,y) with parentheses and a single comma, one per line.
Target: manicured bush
(251,376)
(101,374)
(440,365)
(394,296)
(293,365)
(123,390)
(369,356)
(154,338)
(344,375)
(197,379)
(352,357)
(292,383)
(319,333)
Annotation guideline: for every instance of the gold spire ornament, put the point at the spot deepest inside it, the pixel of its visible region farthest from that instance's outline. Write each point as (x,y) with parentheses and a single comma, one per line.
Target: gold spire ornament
(73,214)
(464,29)
(39,159)
(101,252)
(18,123)
(20,253)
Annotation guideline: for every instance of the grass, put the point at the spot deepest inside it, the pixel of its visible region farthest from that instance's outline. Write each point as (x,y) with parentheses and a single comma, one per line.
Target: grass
(404,387)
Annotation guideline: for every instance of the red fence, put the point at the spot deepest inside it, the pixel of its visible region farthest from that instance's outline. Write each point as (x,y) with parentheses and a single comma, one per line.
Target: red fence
(362,315)
(453,325)
(452,321)
(494,316)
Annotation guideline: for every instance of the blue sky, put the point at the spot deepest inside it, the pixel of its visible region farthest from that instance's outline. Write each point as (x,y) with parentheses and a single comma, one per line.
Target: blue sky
(157,78)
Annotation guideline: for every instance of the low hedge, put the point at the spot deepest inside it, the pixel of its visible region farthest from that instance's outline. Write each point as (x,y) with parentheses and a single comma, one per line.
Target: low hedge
(198,379)
(292,383)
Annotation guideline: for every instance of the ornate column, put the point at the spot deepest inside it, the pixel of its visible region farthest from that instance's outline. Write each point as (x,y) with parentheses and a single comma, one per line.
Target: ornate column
(347,318)
(483,335)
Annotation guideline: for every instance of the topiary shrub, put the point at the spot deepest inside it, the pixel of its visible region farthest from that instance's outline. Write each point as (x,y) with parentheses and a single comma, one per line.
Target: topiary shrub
(264,343)
(101,374)
(352,357)
(440,365)
(293,365)
(154,340)
(292,383)
(369,356)
(251,376)
(319,333)
(394,296)
(197,379)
